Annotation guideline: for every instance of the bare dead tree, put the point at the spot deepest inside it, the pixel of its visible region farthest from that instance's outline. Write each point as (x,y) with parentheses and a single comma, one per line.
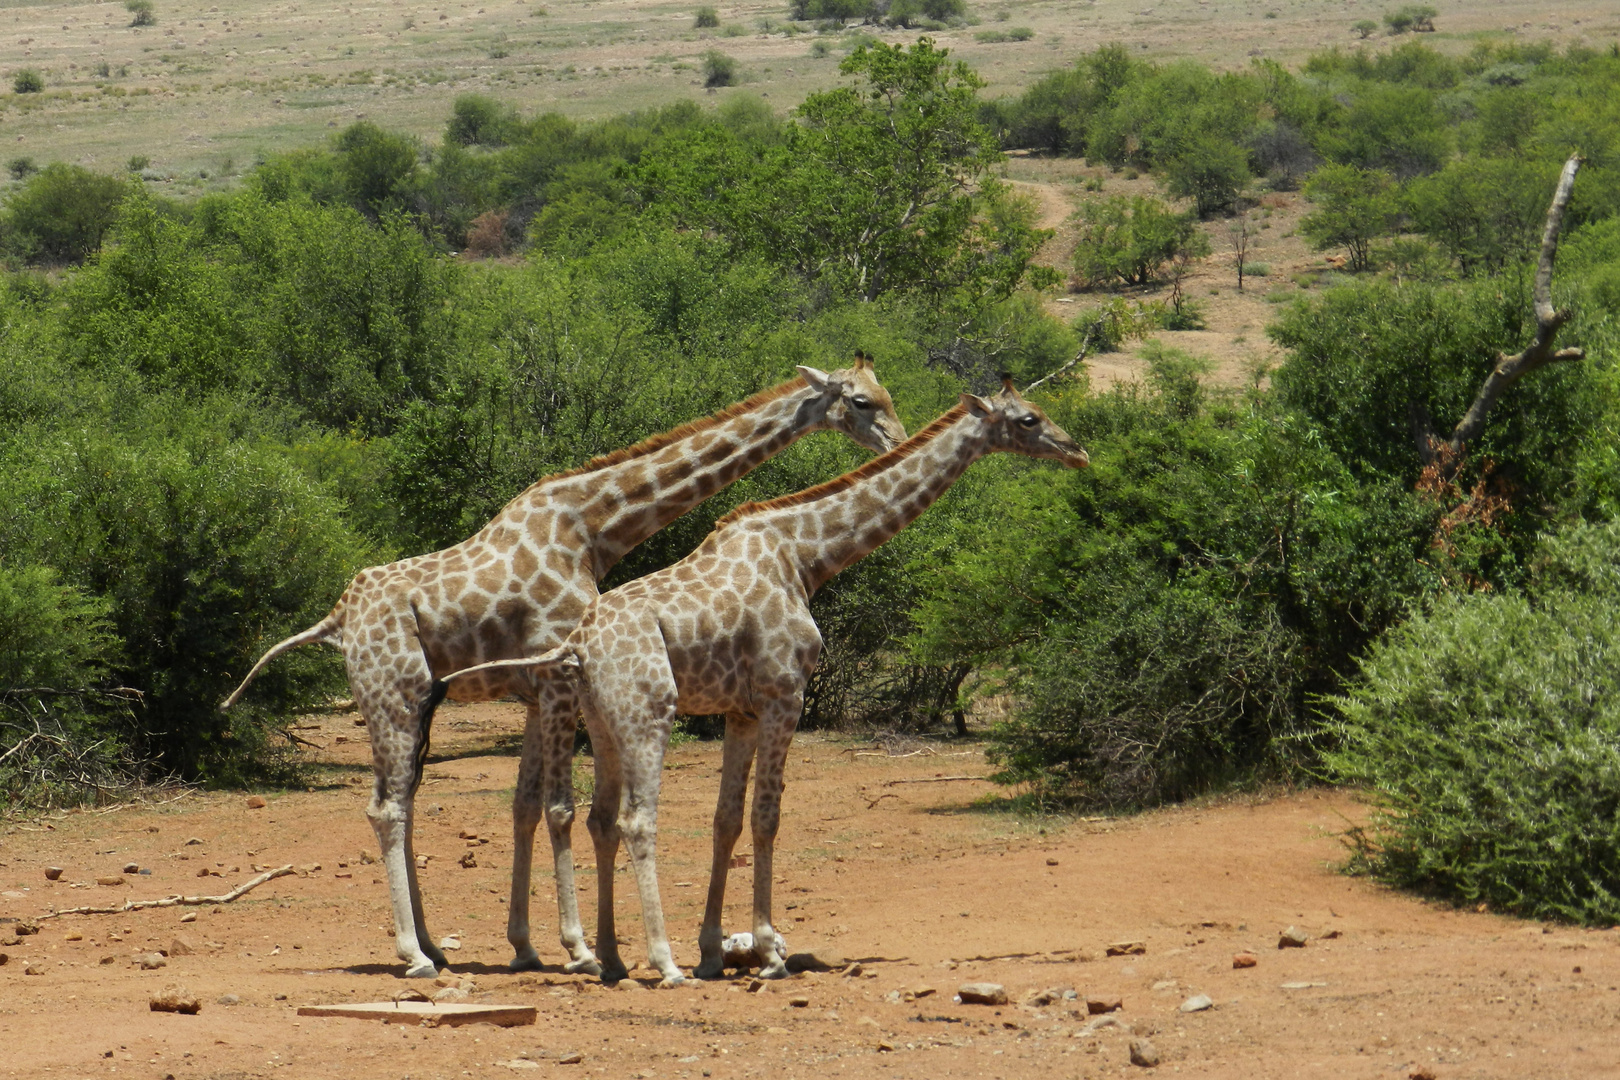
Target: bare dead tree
(1239,235)
(1445,453)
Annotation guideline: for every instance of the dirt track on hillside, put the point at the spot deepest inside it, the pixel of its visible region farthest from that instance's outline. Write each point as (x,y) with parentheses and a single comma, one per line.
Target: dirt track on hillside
(882,859)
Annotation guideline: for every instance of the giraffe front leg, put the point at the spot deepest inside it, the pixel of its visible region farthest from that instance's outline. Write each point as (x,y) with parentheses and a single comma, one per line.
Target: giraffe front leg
(525,819)
(776,727)
(639,820)
(742,733)
(558,718)
(391,817)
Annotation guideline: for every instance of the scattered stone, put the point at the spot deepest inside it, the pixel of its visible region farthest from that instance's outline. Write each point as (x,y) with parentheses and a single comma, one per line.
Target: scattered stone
(447,978)
(799,1001)
(33,967)
(151,961)
(451,994)
(72,935)
(884,1046)
(53,873)
(628,984)
(756,985)
(256,802)
(108,960)
(181,946)
(1144,1053)
(1420,1072)
(109,879)
(983,993)
(1292,938)
(279,997)
(1166,984)
(176,999)
(1096,1006)
(572,1058)
(190,916)
(1244,960)
(451,942)
(853,971)
(309,868)
(468,861)
(468,834)
(922,991)
(5,958)
(1197,1003)
(1051,862)
(1103,1022)
(194,841)
(1127,948)
(25,928)
(132,868)
(227,999)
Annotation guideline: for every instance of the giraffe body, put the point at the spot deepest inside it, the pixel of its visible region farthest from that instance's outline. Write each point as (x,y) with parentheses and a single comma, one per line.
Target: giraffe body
(517,588)
(728,630)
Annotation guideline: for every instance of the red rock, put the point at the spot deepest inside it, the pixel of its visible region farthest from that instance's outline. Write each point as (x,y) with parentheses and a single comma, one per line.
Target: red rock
(256,802)
(1245,960)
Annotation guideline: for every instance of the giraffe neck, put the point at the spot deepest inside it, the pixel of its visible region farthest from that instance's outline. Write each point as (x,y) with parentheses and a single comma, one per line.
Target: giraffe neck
(626,502)
(825,534)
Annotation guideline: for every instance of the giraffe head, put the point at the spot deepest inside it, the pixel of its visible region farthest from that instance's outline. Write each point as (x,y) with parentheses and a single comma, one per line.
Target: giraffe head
(854,402)
(1021,428)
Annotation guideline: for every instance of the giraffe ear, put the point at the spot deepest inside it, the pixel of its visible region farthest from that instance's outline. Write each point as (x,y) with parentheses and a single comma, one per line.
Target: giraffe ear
(817,378)
(979,407)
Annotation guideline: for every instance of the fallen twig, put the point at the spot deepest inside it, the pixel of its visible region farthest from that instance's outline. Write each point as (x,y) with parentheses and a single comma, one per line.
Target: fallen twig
(932,780)
(177,901)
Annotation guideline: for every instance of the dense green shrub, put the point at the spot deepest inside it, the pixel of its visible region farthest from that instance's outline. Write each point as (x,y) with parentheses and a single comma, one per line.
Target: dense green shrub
(1488,732)
(61,213)
(1354,207)
(718,69)
(707,18)
(28,81)
(1210,171)
(476,120)
(142,12)
(378,166)
(1131,239)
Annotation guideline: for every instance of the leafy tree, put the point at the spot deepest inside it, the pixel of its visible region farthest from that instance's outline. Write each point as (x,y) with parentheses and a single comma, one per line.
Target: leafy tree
(718,69)
(842,10)
(1364,28)
(28,81)
(707,18)
(1131,239)
(1353,208)
(1397,128)
(1487,213)
(142,11)
(61,213)
(920,12)
(378,167)
(476,120)
(1210,171)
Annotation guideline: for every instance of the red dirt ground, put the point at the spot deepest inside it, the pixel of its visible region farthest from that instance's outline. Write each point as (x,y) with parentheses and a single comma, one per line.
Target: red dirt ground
(881,859)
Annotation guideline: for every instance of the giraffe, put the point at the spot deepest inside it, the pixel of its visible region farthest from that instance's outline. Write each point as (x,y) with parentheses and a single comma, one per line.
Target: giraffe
(728,630)
(517,587)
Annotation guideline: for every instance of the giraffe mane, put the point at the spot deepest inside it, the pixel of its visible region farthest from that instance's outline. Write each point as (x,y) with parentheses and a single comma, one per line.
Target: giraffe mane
(653,443)
(854,476)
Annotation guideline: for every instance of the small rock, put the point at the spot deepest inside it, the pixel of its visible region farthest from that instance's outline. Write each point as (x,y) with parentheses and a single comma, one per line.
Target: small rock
(1292,938)
(853,971)
(983,993)
(1051,862)
(176,999)
(799,1001)
(132,868)
(450,994)
(190,916)
(194,841)
(451,942)
(922,991)
(1197,1003)
(1420,1072)
(25,928)
(256,802)
(33,967)
(448,978)
(279,997)
(1144,1053)
(1127,948)
(885,1046)
(108,960)
(5,958)
(228,999)
(1245,960)
(756,985)
(1096,1006)
(1104,1022)
(181,946)
(573,1057)
(151,961)
(309,868)
(468,861)
(53,873)
(110,879)
(72,935)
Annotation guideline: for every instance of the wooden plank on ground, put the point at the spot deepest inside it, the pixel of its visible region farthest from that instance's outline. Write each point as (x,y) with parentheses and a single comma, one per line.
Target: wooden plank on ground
(427,1013)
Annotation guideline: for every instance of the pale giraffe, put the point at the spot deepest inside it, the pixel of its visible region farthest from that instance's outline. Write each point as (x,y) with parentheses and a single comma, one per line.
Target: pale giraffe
(728,630)
(518,587)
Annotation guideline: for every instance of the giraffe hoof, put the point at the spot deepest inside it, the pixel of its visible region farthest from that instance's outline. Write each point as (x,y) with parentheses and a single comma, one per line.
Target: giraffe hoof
(529,961)
(424,969)
(670,982)
(588,966)
(705,970)
(612,976)
(775,971)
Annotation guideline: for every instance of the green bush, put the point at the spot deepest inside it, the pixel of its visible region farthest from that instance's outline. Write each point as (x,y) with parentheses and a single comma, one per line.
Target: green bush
(718,69)
(1354,207)
(1364,28)
(1210,171)
(1130,240)
(28,81)
(377,166)
(707,18)
(21,168)
(476,120)
(142,12)
(61,214)
(1488,733)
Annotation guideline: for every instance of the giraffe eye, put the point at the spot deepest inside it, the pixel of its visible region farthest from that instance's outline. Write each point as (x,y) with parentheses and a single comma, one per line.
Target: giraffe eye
(861,401)
(1029,420)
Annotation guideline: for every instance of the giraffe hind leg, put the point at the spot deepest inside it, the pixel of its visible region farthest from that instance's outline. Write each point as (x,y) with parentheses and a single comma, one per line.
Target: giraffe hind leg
(742,734)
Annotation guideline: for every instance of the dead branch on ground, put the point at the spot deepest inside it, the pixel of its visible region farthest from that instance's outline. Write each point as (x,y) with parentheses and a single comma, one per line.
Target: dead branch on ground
(177,901)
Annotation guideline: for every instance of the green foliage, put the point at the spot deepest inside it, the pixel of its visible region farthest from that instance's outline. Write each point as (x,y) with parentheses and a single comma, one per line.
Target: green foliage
(378,167)
(142,12)
(61,213)
(1354,207)
(1209,171)
(476,120)
(718,69)
(1488,731)
(1416,17)
(21,168)
(925,13)
(840,10)
(28,81)
(1487,213)
(1393,127)
(707,18)
(1131,239)
(1364,28)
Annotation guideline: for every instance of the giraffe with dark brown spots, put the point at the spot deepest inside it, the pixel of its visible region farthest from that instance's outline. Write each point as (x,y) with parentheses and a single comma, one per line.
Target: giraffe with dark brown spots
(518,587)
(728,630)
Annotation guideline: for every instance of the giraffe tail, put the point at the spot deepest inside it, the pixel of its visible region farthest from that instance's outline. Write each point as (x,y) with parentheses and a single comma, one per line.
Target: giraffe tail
(559,662)
(328,631)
